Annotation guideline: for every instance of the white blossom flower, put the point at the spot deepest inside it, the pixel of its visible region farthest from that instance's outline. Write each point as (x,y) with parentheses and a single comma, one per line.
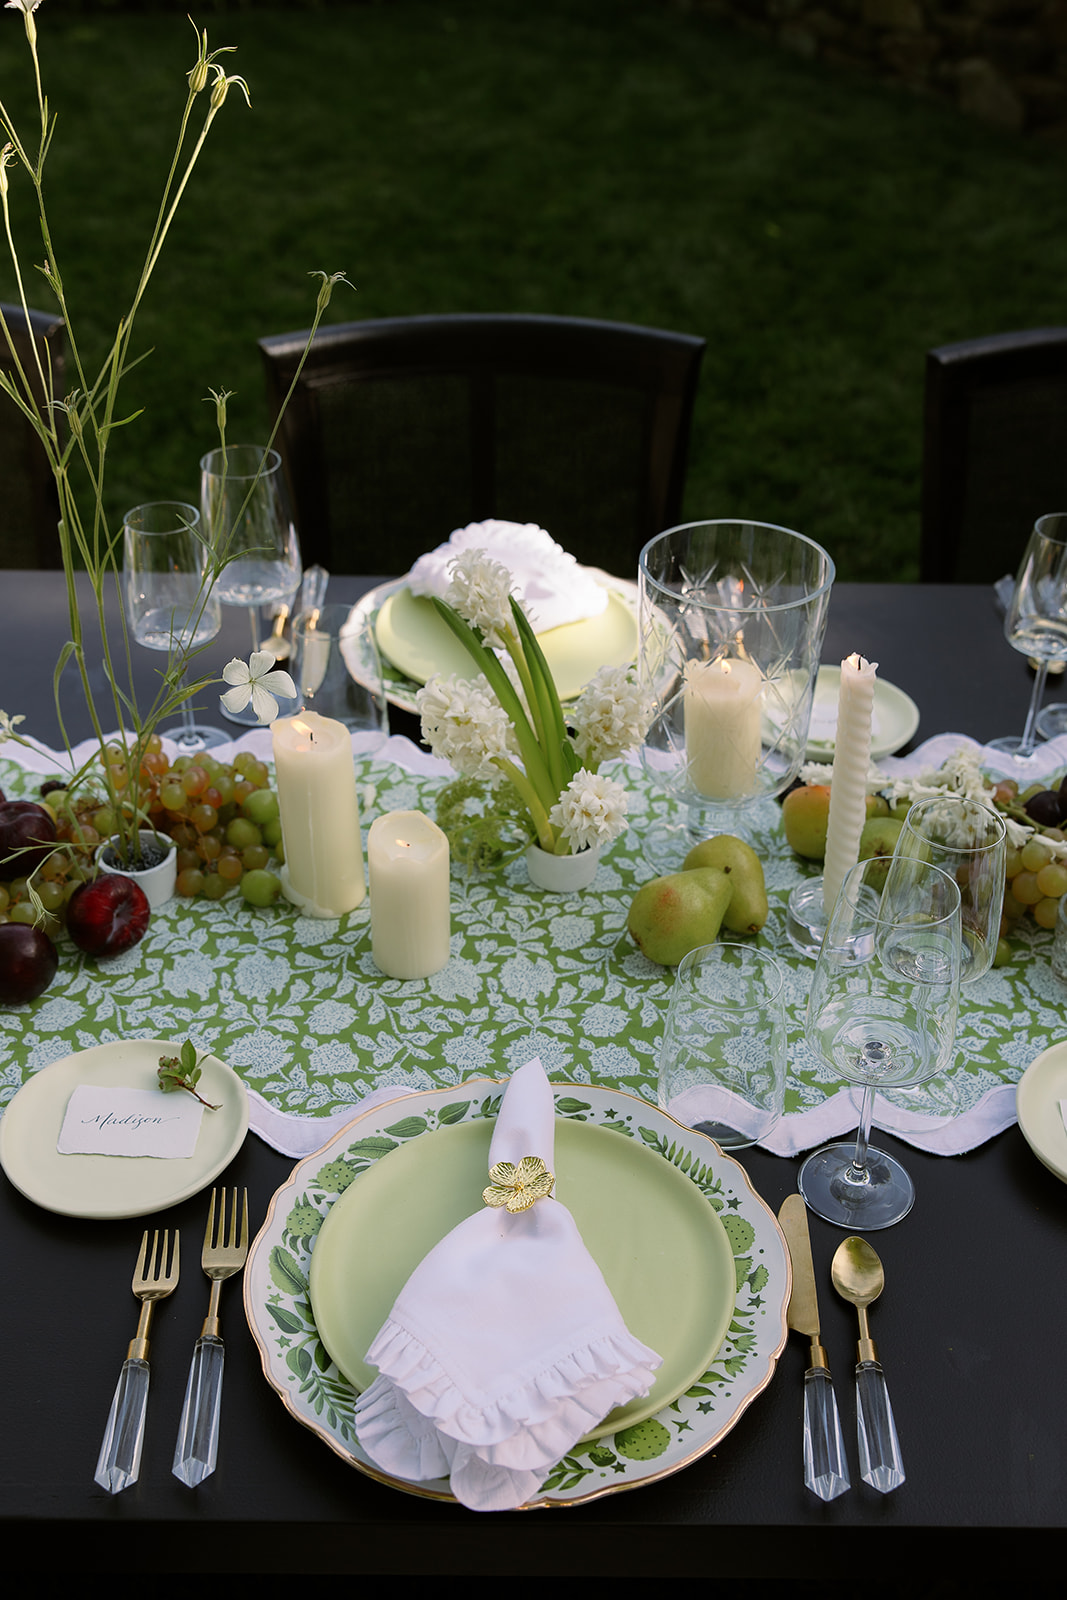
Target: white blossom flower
(8,725)
(28,7)
(464,723)
(610,716)
(259,680)
(479,588)
(591,810)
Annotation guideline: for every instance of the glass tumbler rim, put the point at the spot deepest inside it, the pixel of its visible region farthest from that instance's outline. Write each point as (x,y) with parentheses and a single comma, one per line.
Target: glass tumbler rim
(185,524)
(758,960)
(1050,517)
(814,593)
(855,875)
(270,460)
(995,820)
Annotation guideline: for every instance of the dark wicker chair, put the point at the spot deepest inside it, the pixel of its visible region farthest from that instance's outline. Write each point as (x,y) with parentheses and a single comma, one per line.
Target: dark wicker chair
(29,508)
(401,430)
(994,451)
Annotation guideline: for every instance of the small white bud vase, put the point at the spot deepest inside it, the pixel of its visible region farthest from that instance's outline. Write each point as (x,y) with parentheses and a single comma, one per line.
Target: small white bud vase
(158,881)
(562,874)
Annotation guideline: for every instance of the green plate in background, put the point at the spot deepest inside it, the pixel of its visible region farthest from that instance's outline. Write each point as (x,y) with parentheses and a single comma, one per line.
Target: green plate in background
(413,637)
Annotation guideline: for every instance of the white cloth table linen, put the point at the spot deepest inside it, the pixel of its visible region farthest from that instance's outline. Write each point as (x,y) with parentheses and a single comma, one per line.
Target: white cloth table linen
(549,581)
(505,1346)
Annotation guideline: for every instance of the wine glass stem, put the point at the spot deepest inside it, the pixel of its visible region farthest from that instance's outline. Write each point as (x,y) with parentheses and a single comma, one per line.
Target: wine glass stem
(857,1172)
(253,617)
(1029,738)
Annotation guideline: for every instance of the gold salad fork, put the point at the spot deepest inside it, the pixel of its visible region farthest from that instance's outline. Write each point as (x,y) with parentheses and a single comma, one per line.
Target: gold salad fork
(224,1254)
(120,1453)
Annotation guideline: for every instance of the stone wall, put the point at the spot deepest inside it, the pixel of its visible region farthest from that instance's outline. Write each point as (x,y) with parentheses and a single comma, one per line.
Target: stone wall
(1004,61)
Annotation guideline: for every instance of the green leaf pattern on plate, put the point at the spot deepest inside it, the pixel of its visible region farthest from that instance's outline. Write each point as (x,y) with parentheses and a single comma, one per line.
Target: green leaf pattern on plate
(755,1328)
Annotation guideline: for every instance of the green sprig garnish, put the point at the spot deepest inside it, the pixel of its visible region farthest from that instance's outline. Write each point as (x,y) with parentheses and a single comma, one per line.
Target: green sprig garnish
(183,1072)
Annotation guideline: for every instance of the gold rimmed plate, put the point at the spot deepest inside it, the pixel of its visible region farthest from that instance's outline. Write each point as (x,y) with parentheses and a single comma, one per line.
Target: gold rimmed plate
(631,1143)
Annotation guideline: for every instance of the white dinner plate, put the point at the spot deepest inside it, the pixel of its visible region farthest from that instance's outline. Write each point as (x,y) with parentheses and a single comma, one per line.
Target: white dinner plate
(103,1187)
(1037,1103)
(896,717)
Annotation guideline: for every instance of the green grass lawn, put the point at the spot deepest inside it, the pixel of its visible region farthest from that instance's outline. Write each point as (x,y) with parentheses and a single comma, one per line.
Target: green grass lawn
(625,159)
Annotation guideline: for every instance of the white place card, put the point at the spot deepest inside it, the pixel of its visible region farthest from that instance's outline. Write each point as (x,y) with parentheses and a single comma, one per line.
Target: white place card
(129,1122)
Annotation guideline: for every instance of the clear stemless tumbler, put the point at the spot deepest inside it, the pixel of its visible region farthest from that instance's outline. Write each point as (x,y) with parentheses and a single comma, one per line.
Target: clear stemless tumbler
(968,841)
(732,617)
(723,1060)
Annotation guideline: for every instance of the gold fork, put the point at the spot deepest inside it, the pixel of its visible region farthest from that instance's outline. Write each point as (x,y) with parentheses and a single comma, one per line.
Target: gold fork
(120,1453)
(224,1254)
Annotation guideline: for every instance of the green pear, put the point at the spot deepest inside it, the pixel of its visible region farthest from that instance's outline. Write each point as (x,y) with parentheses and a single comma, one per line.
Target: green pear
(877,843)
(675,914)
(747,911)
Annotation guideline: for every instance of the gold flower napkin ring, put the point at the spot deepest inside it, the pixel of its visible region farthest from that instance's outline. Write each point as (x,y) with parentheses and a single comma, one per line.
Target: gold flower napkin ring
(518,1187)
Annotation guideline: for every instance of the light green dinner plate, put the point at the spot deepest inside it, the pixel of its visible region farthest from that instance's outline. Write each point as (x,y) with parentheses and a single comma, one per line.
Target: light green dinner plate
(415,639)
(895,719)
(660,1245)
(1037,1102)
(115,1186)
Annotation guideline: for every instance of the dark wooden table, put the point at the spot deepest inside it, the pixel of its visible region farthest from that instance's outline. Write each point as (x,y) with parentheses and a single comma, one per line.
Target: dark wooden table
(969,1326)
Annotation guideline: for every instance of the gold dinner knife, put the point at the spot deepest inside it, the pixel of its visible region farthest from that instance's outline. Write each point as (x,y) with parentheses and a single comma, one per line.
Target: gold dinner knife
(825,1467)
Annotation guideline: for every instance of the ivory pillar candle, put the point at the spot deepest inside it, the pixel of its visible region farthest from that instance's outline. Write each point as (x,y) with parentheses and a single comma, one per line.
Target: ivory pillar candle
(848,780)
(722,726)
(316,778)
(410,917)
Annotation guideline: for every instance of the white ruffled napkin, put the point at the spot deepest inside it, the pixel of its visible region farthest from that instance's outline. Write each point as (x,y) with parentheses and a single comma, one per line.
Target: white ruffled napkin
(550,583)
(505,1345)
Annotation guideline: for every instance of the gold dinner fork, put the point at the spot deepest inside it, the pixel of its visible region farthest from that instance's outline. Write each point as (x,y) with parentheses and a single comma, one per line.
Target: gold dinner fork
(120,1453)
(224,1254)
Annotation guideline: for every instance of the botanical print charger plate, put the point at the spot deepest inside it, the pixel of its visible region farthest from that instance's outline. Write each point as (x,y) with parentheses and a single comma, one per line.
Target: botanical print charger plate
(279,1280)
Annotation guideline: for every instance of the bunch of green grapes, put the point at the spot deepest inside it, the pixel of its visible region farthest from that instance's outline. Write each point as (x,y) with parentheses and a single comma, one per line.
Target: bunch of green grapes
(223,818)
(1036,871)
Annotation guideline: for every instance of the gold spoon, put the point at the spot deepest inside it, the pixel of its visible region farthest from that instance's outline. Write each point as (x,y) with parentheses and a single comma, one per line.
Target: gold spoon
(858,1277)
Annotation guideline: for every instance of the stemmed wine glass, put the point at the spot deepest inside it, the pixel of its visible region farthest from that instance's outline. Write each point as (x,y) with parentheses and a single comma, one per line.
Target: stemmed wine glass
(1036,621)
(246,518)
(882,1013)
(968,841)
(169,600)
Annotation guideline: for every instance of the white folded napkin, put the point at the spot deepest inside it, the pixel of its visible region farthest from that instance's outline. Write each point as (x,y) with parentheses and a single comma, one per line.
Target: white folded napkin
(550,583)
(505,1345)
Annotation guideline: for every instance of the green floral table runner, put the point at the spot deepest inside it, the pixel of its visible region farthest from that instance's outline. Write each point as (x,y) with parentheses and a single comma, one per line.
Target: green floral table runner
(297,1007)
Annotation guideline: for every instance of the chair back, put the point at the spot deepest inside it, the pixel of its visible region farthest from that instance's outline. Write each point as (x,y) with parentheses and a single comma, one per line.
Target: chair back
(994,451)
(401,430)
(29,506)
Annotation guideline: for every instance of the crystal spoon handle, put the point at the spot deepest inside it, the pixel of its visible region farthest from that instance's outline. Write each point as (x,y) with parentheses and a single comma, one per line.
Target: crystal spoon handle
(825,1468)
(120,1454)
(881,1464)
(198,1432)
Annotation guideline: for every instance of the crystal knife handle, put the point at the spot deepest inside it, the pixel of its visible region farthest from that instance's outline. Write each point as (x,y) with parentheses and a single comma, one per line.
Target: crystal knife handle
(825,1467)
(880,1461)
(120,1454)
(198,1431)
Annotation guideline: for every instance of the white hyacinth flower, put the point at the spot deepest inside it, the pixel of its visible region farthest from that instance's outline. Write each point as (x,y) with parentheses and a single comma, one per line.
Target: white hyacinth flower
(258,679)
(479,590)
(464,724)
(610,716)
(591,810)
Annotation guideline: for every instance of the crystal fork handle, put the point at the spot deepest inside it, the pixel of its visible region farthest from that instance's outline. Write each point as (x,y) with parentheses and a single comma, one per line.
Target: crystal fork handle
(198,1433)
(881,1464)
(120,1454)
(825,1468)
